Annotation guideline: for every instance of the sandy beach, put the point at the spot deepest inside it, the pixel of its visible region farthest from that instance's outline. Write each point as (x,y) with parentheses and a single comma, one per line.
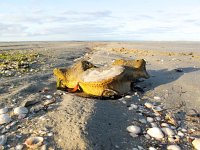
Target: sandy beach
(72,122)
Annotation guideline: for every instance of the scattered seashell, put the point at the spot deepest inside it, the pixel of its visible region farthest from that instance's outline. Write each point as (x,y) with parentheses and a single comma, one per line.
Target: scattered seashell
(134,106)
(143,121)
(133,135)
(5,118)
(149,105)
(156,133)
(3,140)
(18,136)
(4,130)
(147,136)
(50,101)
(192,130)
(43,132)
(21,116)
(3,110)
(150,119)
(164,125)
(34,142)
(128,96)
(20,110)
(157,109)
(156,98)
(133,129)
(152,148)
(173,127)
(168,131)
(48,96)
(174,139)
(19,147)
(196,143)
(140,148)
(171,118)
(181,134)
(158,118)
(153,124)
(44,147)
(173,147)
(183,130)
(50,134)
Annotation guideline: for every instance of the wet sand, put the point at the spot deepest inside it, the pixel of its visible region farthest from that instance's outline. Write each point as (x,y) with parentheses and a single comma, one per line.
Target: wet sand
(83,123)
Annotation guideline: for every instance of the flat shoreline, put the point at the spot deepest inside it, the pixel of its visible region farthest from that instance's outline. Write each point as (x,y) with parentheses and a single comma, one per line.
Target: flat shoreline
(81,123)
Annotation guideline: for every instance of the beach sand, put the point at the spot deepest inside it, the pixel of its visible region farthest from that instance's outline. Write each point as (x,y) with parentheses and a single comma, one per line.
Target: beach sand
(74,122)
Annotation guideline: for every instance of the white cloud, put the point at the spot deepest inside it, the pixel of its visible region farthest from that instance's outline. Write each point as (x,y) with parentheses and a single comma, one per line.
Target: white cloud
(100,25)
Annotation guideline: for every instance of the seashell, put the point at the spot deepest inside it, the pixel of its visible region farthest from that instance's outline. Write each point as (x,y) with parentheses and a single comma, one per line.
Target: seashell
(34,142)
(168,131)
(196,143)
(174,139)
(173,127)
(143,121)
(20,110)
(21,116)
(158,118)
(133,106)
(5,118)
(19,147)
(173,147)
(153,124)
(149,105)
(3,110)
(152,148)
(156,98)
(50,101)
(147,136)
(133,135)
(128,96)
(133,129)
(181,134)
(157,109)
(140,148)
(164,125)
(48,96)
(156,133)
(3,140)
(183,130)
(50,134)
(150,119)
(44,147)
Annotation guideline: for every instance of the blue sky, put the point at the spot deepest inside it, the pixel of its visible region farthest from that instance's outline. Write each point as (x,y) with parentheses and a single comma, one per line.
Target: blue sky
(54,20)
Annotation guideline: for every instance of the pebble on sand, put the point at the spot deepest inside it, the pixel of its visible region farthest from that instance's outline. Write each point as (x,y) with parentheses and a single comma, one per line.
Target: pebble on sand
(150,119)
(34,142)
(3,110)
(20,110)
(196,143)
(149,105)
(152,148)
(156,133)
(156,98)
(168,131)
(3,140)
(4,118)
(173,147)
(133,129)
(19,147)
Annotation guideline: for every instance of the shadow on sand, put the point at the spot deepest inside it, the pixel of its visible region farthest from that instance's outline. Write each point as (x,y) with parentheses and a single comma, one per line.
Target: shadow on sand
(107,127)
(164,76)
